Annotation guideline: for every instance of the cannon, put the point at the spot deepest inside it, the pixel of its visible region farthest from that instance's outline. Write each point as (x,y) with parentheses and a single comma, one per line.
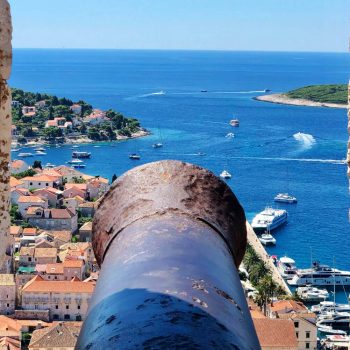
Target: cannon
(168,237)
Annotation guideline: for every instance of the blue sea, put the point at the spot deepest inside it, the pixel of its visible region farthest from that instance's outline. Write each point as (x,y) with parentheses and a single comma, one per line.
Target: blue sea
(266,156)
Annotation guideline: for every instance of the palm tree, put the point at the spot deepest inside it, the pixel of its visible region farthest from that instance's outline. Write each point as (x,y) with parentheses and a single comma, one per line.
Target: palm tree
(267,289)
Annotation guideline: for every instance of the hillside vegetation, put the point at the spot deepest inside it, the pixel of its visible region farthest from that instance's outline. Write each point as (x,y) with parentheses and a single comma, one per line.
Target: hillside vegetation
(334,93)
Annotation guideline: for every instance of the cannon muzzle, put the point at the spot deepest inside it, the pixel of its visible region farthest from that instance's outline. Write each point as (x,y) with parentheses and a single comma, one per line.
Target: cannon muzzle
(169,237)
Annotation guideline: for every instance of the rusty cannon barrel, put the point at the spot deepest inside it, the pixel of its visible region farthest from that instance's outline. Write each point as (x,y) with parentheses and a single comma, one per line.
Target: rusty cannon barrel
(169,237)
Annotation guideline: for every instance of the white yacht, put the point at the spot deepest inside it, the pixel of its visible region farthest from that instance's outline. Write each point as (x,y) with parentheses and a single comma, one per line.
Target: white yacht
(285,198)
(230,135)
(234,122)
(267,239)
(157,145)
(77,154)
(330,330)
(311,294)
(320,275)
(326,306)
(225,174)
(135,156)
(40,153)
(286,267)
(76,163)
(335,319)
(269,219)
(25,155)
(39,149)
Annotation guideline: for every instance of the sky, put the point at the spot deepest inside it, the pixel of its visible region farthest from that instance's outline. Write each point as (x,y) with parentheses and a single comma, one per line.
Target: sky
(261,25)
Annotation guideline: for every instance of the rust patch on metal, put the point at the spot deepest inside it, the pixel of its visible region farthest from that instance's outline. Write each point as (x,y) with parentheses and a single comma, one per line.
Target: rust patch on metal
(170,187)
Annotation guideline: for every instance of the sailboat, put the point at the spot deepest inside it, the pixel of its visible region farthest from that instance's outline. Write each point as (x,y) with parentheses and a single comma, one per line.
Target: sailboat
(158,144)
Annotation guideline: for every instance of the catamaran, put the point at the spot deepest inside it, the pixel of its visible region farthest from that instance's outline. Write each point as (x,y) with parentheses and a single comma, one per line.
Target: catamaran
(286,267)
(267,239)
(269,219)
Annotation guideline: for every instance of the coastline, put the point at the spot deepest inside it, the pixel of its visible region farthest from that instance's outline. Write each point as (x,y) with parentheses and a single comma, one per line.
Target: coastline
(81,140)
(285,100)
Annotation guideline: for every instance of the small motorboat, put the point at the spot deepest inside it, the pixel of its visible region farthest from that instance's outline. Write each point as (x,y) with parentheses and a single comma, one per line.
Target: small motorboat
(39,149)
(157,145)
(40,153)
(267,239)
(49,165)
(330,330)
(234,122)
(230,135)
(77,154)
(310,293)
(15,149)
(204,90)
(75,162)
(267,90)
(135,156)
(225,174)
(96,146)
(201,154)
(24,155)
(285,198)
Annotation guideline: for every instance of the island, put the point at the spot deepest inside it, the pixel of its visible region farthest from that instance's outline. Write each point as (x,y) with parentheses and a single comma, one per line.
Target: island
(332,96)
(41,118)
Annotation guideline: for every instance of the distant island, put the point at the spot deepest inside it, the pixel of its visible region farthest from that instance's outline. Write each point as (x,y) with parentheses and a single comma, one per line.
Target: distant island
(43,118)
(332,96)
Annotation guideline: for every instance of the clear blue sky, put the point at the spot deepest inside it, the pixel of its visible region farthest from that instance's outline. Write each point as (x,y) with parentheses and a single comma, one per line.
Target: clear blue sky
(282,25)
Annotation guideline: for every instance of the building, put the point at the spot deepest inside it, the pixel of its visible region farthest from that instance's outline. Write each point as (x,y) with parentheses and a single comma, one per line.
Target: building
(10,333)
(60,336)
(69,174)
(85,232)
(40,181)
(7,294)
(56,238)
(96,117)
(65,300)
(76,109)
(18,166)
(97,187)
(275,334)
(52,195)
(45,255)
(26,256)
(303,320)
(53,219)
(18,192)
(24,202)
(29,111)
(14,183)
(65,271)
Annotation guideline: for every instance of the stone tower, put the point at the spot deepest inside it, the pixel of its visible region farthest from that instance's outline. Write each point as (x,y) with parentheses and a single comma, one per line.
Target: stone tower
(5,130)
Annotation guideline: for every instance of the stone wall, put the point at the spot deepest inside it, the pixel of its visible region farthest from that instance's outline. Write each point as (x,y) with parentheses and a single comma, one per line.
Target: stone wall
(5,129)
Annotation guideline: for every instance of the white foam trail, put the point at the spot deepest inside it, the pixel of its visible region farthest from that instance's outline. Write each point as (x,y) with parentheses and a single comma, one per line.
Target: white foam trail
(158,93)
(312,160)
(306,140)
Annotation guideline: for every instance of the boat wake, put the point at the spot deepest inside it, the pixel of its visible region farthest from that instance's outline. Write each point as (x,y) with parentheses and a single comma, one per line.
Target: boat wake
(306,140)
(311,160)
(158,93)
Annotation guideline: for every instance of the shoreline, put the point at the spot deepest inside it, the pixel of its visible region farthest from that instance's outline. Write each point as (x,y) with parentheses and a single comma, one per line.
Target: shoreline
(285,100)
(80,140)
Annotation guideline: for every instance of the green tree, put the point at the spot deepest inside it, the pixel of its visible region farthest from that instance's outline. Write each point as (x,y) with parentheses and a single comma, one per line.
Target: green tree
(37,164)
(52,132)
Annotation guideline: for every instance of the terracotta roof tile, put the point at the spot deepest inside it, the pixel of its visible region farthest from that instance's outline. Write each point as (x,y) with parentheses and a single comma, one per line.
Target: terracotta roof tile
(30,231)
(45,252)
(41,286)
(276,333)
(30,199)
(14,182)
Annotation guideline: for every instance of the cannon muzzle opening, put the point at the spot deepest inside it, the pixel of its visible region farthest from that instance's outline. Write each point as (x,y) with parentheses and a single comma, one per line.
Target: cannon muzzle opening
(169,237)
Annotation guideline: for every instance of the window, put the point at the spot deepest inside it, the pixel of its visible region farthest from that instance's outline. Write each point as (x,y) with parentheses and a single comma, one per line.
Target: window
(39,183)
(30,183)
(55,317)
(307,345)
(307,334)
(29,259)
(78,307)
(297,334)
(67,307)
(8,305)
(56,306)
(67,317)
(47,184)
(296,324)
